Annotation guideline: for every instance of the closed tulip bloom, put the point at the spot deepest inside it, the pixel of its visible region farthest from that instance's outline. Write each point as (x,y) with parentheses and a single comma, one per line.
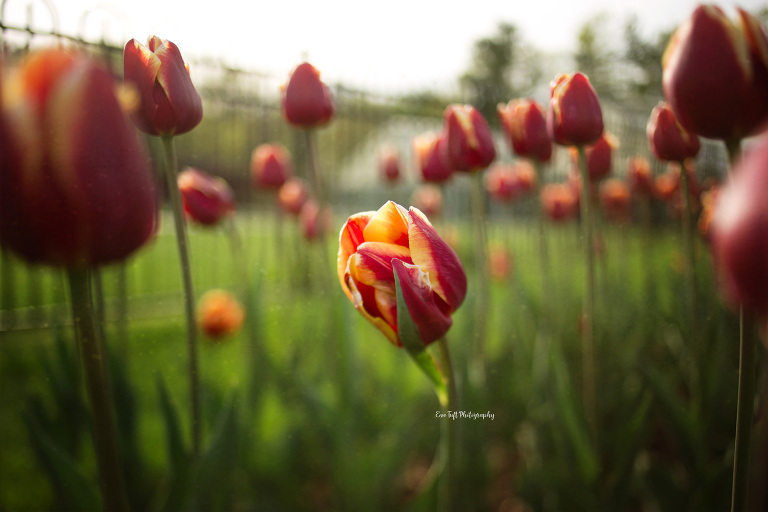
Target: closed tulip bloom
(389,164)
(525,176)
(716,74)
(468,140)
(292,195)
(374,246)
(219,315)
(430,158)
(599,157)
(667,185)
(667,139)
(525,125)
(307,101)
(315,220)
(77,188)
(169,103)
(739,232)
(271,166)
(559,201)
(501,182)
(574,117)
(640,176)
(429,199)
(615,199)
(207,199)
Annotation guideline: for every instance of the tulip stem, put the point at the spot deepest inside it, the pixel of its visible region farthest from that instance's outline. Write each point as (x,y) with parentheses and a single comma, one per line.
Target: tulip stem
(690,265)
(98,390)
(449,428)
(171,174)
(481,243)
(315,179)
(588,326)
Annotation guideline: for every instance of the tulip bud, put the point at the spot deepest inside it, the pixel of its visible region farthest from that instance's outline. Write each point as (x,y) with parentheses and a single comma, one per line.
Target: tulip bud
(640,176)
(207,199)
(389,164)
(307,101)
(499,263)
(430,156)
(373,246)
(219,315)
(716,74)
(429,199)
(739,232)
(558,201)
(315,221)
(615,200)
(574,117)
(526,128)
(292,195)
(169,103)
(525,176)
(667,185)
(468,141)
(599,157)
(77,188)
(501,182)
(667,139)
(271,165)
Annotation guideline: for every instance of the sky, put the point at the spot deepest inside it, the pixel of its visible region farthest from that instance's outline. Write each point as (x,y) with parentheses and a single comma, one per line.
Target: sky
(391,46)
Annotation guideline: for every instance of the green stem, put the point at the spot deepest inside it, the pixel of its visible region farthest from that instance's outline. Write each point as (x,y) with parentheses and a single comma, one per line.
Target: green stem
(98,390)
(690,263)
(449,434)
(477,203)
(588,328)
(315,180)
(543,248)
(171,164)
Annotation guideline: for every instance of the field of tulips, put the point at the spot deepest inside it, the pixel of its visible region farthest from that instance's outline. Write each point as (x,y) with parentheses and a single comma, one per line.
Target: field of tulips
(554,331)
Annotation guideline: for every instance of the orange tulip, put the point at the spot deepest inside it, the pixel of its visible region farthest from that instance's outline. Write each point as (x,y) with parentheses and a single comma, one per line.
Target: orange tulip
(559,201)
(306,101)
(219,314)
(207,199)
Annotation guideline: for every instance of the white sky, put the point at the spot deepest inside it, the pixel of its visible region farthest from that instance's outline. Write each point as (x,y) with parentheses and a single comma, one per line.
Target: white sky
(388,45)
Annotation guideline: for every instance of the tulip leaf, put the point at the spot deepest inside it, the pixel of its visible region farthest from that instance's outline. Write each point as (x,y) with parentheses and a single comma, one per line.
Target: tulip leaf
(411,340)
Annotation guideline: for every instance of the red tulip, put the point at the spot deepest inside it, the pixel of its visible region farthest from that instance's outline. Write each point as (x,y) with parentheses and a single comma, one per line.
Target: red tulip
(307,101)
(640,176)
(574,117)
(207,199)
(599,157)
(430,156)
(559,201)
(708,202)
(389,164)
(169,103)
(500,263)
(271,165)
(429,199)
(739,232)
(525,125)
(292,195)
(373,246)
(468,140)
(315,220)
(77,188)
(615,199)
(501,182)
(219,315)
(667,185)
(667,139)
(716,74)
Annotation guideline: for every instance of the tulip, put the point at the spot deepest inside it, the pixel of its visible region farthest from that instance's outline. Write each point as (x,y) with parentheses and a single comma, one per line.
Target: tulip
(525,176)
(307,101)
(292,195)
(219,314)
(574,117)
(559,201)
(429,199)
(271,165)
(468,140)
(667,139)
(640,176)
(315,220)
(715,74)
(207,199)
(389,164)
(501,182)
(599,157)
(429,152)
(374,246)
(77,188)
(525,125)
(500,263)
(169,103)
(615,199)
(708,202)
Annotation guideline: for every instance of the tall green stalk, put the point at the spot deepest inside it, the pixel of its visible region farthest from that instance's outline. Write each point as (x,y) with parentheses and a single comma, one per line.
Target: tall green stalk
(171,174)
(477,204)
(448,479)
(98,390)
(690,256)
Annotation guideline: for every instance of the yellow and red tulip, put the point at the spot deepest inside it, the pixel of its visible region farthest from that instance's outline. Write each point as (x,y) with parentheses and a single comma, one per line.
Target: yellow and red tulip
(168,101)
(374,246)
(207,199)
(219,315)
(307,102)
(525,125)
(667,139)
(468,143)
(271,166)
(574,117)
(73,193)
(430,158)
(716,74)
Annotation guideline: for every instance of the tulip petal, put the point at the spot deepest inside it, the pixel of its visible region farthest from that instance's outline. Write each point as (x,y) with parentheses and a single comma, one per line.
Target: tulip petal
(389,225)
(365,298)
(374,263)
(186,107)
(141,67)
(434,256)
(431,322)
(350,237)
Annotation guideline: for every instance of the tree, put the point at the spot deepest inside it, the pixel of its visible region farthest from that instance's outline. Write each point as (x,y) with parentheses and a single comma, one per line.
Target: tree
(594,60)
(645,59)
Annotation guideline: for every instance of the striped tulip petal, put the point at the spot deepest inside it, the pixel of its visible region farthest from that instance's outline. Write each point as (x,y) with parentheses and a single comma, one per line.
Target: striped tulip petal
(431,322)
(373,263)
(350,237)
(389,224)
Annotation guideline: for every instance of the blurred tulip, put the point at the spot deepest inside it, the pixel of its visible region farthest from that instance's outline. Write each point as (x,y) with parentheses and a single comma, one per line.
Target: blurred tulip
(219,315)
(429,199)
(667,139)
(640,176)
(574,117)
(716,74)
(599,157)
(500,264)
(389,164)
(169,103)
(77,188)
(307,101)
(315,220)
(525,125)
(708,202)
(271,166)
(615,200)
(468,140)
(207,199)
(739,232)
(430,156)
(501,182)
(559,202)
(292,195)
(525,176)
(373,246)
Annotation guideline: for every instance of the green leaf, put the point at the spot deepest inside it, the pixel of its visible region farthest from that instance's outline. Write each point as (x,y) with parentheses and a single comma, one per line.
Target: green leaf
(178,460)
